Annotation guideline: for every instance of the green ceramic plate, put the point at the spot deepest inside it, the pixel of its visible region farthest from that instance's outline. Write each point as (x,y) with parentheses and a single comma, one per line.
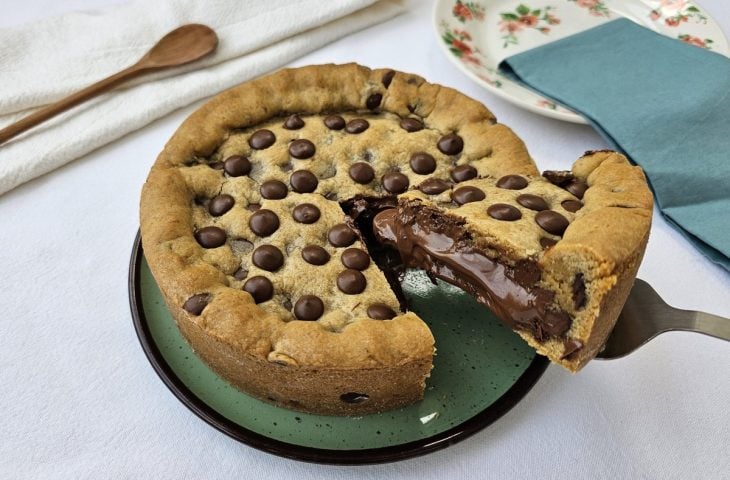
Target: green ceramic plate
(481,370)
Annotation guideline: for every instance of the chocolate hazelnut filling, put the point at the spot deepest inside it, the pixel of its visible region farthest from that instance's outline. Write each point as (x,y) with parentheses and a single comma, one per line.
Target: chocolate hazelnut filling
(443,247)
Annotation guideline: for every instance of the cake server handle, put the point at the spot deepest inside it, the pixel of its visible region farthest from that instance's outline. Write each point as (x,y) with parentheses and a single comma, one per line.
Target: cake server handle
(645,315)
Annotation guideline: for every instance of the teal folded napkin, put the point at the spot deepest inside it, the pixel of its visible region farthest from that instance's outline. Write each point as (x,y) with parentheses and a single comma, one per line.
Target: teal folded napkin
(663,103)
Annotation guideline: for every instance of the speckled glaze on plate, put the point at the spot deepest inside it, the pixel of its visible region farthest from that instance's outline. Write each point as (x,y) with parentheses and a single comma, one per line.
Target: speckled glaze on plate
(481,370)
(477,35)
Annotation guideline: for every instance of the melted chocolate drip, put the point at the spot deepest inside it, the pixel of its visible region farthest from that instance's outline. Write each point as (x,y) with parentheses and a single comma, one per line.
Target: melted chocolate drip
(443,247)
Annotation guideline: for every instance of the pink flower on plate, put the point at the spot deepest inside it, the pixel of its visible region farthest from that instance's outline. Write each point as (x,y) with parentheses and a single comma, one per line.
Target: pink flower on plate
(587,3)
(696,41)
(465,49)
(675,21)
(528,20)
(511,26)
(673,4)
(462,11)
(655,15)
(525,18)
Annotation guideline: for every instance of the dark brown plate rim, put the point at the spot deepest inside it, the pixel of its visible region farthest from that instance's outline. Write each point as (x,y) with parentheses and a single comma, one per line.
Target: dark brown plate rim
(310,454)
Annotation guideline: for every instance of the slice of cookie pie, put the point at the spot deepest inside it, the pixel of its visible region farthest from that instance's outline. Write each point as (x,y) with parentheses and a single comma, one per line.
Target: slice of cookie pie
(278,217)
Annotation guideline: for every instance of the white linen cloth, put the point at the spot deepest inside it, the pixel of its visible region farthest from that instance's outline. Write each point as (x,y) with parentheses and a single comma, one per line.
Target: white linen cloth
(44,61)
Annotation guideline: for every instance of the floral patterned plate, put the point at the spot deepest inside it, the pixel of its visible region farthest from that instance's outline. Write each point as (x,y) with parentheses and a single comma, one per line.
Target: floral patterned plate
(478,35)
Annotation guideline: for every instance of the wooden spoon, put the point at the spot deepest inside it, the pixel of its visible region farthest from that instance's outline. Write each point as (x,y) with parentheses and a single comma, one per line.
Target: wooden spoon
(182,45)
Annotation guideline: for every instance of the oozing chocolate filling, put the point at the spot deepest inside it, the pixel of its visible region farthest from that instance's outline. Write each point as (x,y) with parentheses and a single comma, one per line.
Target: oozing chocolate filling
(443,247)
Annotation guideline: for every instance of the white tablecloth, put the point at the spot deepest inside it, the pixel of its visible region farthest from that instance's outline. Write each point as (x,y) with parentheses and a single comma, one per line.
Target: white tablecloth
(78,398)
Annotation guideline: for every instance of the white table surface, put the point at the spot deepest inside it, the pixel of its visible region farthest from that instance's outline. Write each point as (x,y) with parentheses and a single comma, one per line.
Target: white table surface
(78,398)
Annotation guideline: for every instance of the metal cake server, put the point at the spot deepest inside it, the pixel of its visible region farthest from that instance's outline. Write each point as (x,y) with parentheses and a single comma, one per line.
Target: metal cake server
(646,315)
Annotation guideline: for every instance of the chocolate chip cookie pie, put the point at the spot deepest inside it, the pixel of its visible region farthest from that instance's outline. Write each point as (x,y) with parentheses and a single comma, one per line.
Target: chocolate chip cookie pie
(278,219)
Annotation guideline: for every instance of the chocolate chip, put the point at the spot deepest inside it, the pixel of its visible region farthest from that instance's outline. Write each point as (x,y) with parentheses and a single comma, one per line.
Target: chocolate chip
(503,211)
(411,124)
(302,149)
(552,222)
(380,311)
(264,222)
(220,204)
(293,122)
(210,237)
(341,235)
(308,307)
(273,190)
(533,202)
(579,292)
(546,242)
(577,187)
(237,166)
(362,173)
(451,144)
(558,177)
(354,397)
(306,213)
(512,182)
(268,257)
(556,323)
(216,165)
(422,163)
(262,139)
(462,173)
(357,125)
(260,288)
(315,255)
(351,282)
(195,304)
(388,77)
(373,101)
(240,274)
(253,207)
(464,195)
(334,122)
(355,258)
(303,181)
(395,182)
(572,205)
(434,186)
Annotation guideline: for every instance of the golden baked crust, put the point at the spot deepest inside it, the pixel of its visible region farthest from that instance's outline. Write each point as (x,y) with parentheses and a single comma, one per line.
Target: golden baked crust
(604,244)
(342,361)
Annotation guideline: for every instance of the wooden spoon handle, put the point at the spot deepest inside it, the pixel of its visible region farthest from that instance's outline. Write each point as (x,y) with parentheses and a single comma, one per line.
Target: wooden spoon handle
(54,109)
